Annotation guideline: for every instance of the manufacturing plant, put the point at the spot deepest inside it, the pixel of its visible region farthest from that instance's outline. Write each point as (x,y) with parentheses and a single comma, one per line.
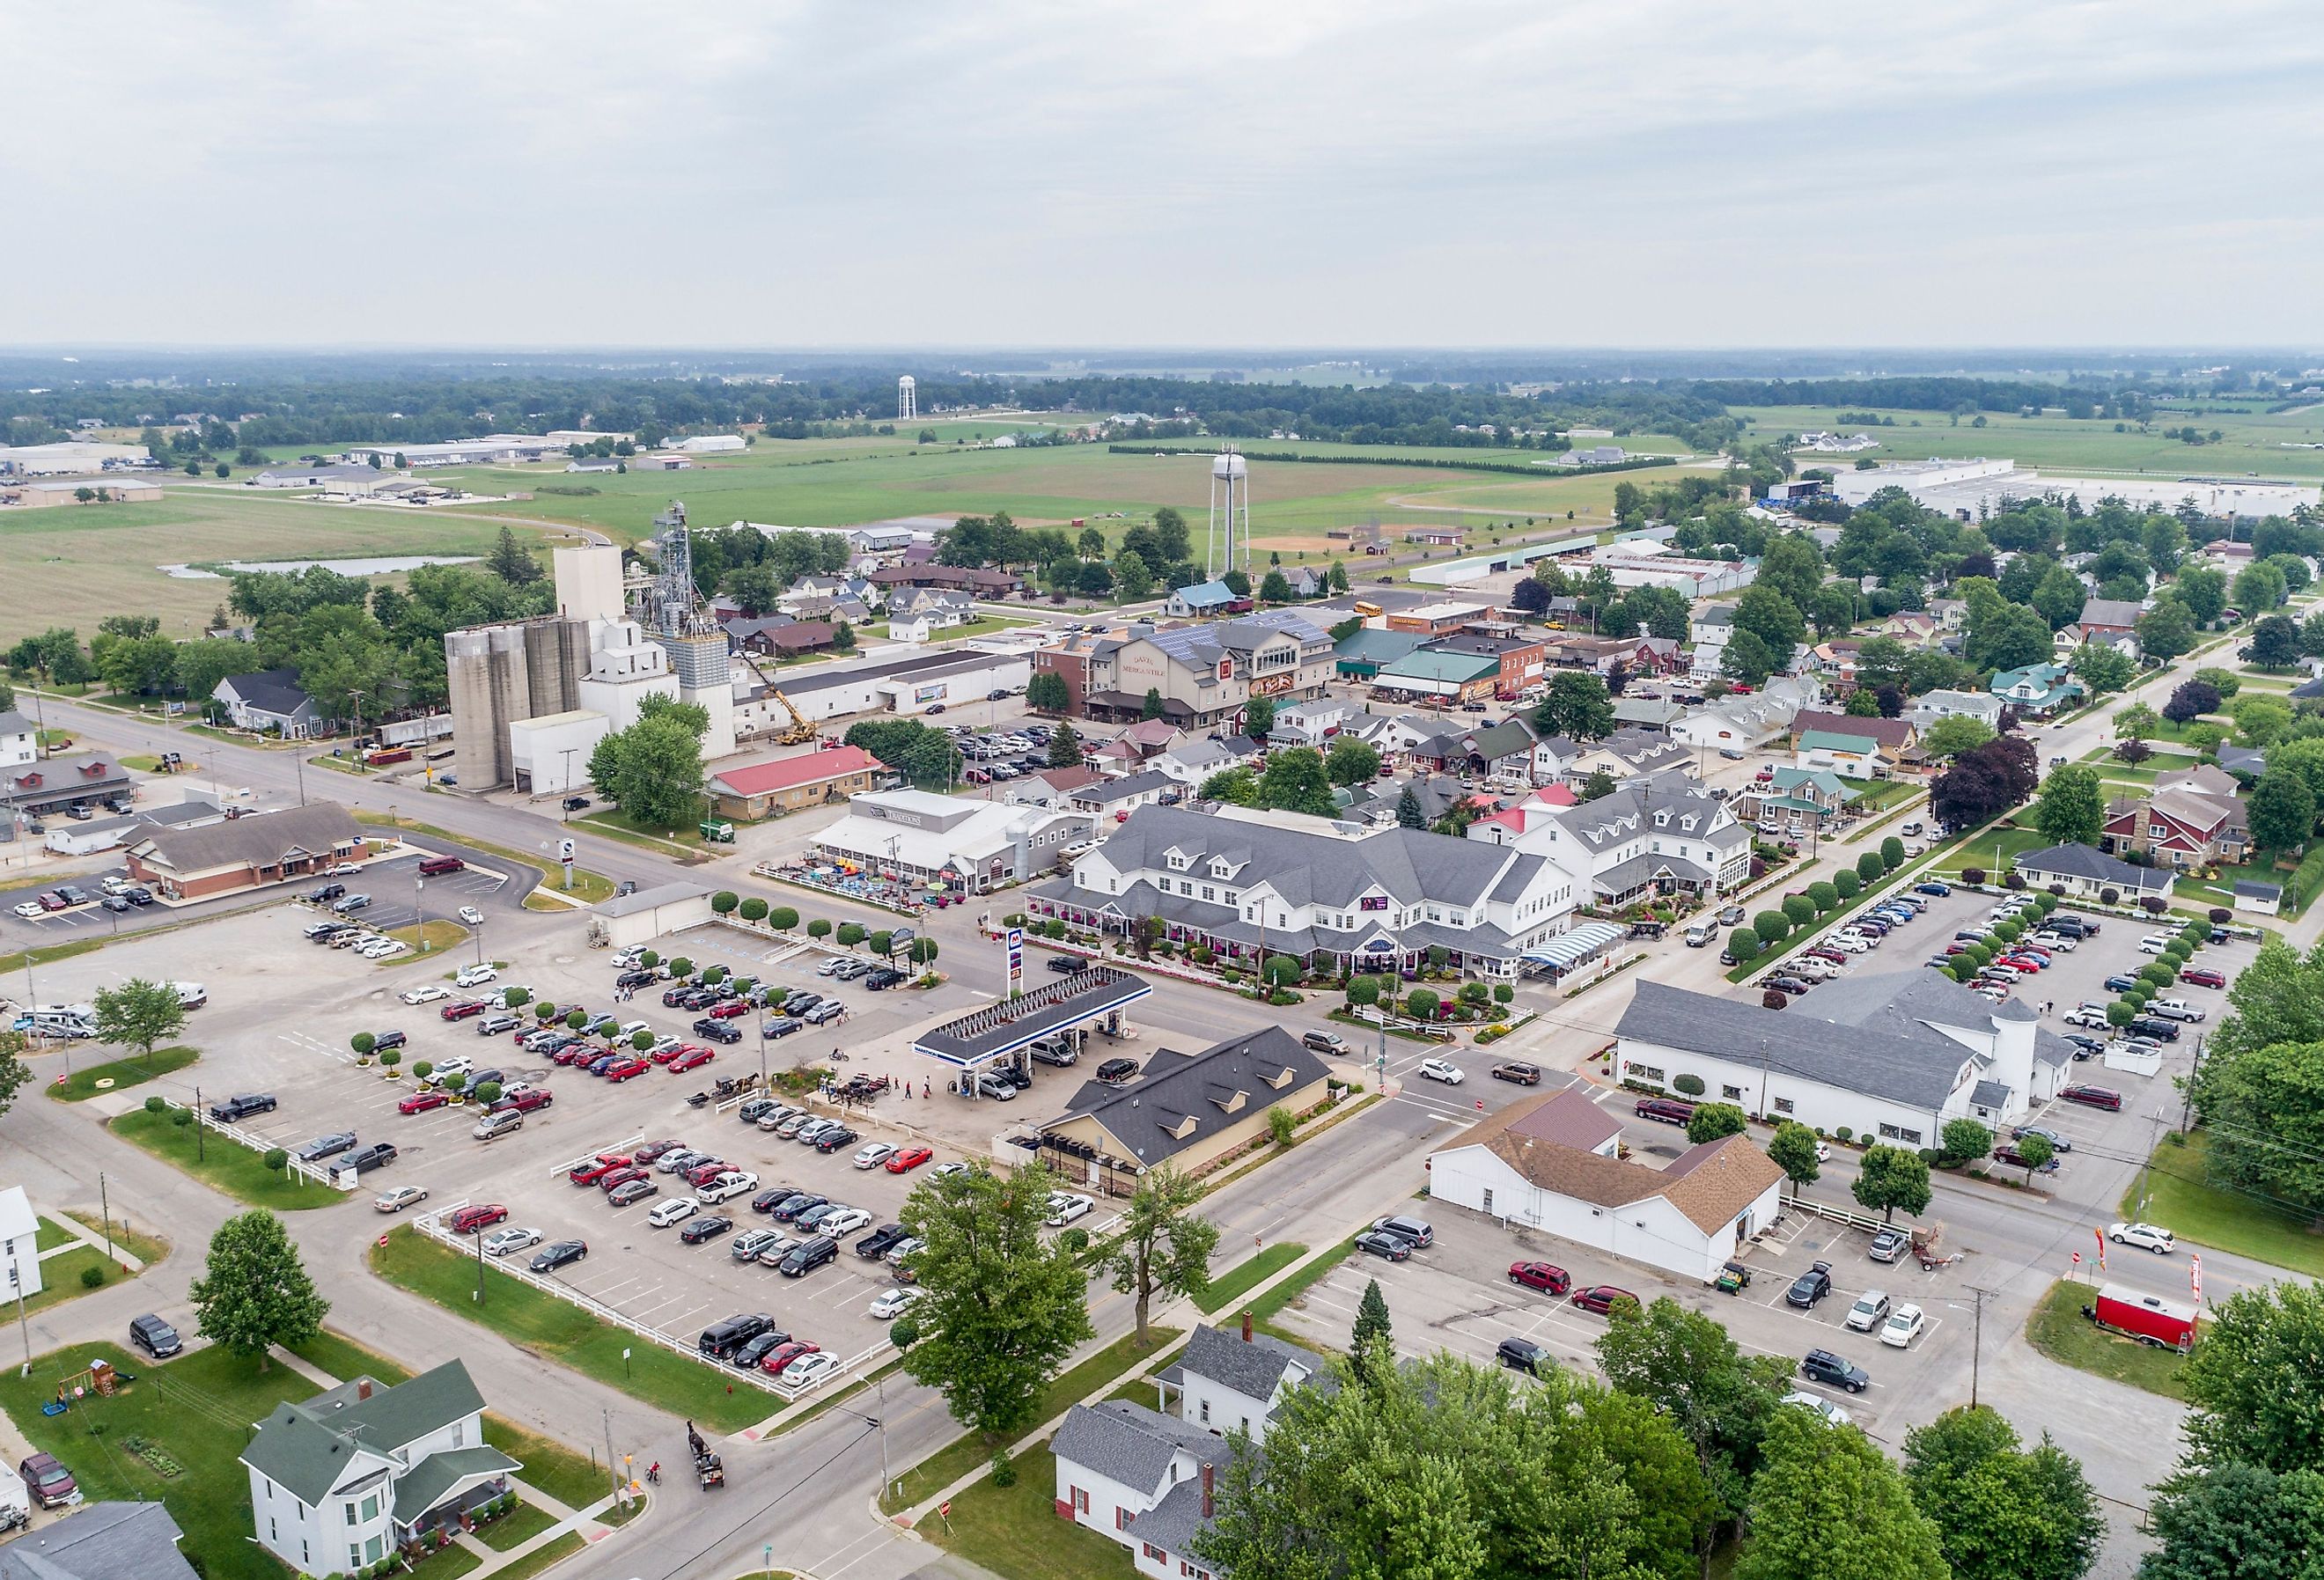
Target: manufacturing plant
(531,698)
(1975,489)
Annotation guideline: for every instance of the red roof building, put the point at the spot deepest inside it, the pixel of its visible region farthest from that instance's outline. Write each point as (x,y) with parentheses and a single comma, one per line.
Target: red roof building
(786,784)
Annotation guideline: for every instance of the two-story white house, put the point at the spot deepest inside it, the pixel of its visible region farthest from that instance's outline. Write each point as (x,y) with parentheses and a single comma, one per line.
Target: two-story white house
(1358,896)
(1661,835)
(1892,1055)
(1146,1477)
(342,1480)
(20,741)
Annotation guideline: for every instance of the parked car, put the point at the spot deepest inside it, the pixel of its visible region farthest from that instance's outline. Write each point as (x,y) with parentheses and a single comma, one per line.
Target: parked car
(907,1158)
(1601,1297)
(156,1338)
(673,1210)
(48,1482)
(1889,1244)
(1870,1310)
(880,1242)
(1540,1275)
(1387,1246)
(707,1227)
(501,1241)
(561,1253)
(243,1107)
(1823,1366)
(631,1190)
(478,1216)
(2103,1097)
(1809,1287)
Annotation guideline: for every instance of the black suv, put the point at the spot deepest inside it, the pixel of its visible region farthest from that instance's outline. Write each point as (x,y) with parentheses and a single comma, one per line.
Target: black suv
(387,1040)
(2154,1026)
(1823,1366)
(1809,1287)
(327,893)
(156,1338)
(808,1256)
(883,979)
(241,1107)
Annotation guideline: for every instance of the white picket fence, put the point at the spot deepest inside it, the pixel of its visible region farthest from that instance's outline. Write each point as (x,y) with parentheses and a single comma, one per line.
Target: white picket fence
(313,1173)
(433,1225)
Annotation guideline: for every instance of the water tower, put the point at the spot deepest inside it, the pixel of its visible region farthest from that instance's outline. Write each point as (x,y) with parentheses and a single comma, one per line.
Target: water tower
(907,399)
(1229,545)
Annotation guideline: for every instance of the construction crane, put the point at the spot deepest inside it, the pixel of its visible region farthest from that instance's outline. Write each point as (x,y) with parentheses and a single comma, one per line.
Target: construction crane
(800,729)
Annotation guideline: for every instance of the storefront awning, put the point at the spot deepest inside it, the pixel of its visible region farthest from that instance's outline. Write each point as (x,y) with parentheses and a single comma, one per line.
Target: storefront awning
(1569,949)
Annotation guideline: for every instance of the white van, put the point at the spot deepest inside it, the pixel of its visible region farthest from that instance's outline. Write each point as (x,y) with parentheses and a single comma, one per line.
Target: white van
(1700,934)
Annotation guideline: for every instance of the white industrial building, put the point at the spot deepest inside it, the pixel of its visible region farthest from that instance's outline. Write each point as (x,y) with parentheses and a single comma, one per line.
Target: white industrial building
(491,448)
(549,756)
(70,456)
(1542,1163)
(1975,489)
(935,839)
(910,684)
(1892,1055)
(710,444)
(627,920)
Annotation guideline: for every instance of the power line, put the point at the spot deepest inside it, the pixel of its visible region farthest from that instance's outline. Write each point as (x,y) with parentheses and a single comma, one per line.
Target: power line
(687,1565)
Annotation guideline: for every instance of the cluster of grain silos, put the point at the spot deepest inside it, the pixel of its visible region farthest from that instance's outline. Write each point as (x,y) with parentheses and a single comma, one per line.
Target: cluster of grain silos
(497,675)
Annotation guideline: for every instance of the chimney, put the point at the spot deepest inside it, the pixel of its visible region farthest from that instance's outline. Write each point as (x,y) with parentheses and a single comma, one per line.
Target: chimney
(1206,1491)
(1246,1325)
(363,1384)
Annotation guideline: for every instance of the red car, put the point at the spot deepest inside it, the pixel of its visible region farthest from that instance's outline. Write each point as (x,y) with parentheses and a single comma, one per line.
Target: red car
(653,1149)
(2203,977)
(703,1174)
(1834,955)
(421,1102)
(2104,1097)
(574,1053)
(909,1158)
(1540,1275)
(691,1057)
(461,1009)
(665,1054)
(478,1216)
(1601,1297)
(595,1169)
(730,1009)
(627,1068)
(2024,962)
(783,1355)
(623,1176)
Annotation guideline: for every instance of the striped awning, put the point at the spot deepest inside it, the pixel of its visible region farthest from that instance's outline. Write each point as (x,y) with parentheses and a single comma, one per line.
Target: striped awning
(1570,949)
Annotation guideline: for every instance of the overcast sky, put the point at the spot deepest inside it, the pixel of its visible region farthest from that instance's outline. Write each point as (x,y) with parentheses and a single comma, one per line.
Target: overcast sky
(1608,172)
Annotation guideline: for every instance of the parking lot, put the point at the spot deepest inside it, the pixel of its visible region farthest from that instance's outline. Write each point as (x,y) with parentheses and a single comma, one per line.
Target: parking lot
(1456,1293)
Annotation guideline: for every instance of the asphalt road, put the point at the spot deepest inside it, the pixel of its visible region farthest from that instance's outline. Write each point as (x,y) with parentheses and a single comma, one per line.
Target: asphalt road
(809,1493)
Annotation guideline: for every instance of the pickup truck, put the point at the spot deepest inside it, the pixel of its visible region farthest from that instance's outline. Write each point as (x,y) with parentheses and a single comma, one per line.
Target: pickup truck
(2175,1010)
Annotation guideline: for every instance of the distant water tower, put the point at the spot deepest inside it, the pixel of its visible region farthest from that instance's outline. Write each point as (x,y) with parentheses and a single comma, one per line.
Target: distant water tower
(1230,546)
(907,399)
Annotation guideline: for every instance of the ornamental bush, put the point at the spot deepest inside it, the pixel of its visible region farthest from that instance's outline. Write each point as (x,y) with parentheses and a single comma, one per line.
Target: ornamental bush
(1800,909)
(1688,1086)
(1870,866)
(1847,883)
(1772,925)
(1892,853)
(724,901)
(1421,1003)
(754,909)
(1744,944)
(1824,896)
(1973,876)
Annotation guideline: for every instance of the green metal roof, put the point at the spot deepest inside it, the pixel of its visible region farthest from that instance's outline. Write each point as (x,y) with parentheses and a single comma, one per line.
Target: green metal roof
(1831,741)
(435,1476)
(307,1447)
(1450,668)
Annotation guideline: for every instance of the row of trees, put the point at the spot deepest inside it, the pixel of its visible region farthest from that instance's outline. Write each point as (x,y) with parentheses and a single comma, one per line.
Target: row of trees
(1442,1468)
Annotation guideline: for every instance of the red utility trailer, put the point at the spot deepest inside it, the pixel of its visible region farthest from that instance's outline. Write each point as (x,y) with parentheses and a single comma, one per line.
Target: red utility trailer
(2151,1319)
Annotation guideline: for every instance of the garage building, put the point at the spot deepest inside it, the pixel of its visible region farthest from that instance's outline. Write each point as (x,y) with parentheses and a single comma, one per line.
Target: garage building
(757,791)
(1686,1219)
(627,920)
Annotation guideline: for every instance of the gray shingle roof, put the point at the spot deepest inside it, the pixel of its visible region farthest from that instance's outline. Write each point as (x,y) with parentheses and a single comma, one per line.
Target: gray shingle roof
(1990,1095)
(270,690)
(1253,1368)
(100,1541)
(1920,1072)
(317,828)
(1903,1003)
(1265,1066)
(13,723)
(1130,1443)
(1411,865)
(2079,860)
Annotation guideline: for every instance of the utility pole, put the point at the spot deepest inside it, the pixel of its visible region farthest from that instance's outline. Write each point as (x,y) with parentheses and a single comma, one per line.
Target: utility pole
(2146,1168)
(105,1205)
(480,1265)
(2187,1104)
(199,1153)
(16,1279)
(1763,1062)
(621,1493)
(1976,1345)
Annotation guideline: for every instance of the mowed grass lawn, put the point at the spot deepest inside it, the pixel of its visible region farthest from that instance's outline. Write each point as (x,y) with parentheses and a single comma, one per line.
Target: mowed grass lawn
(195,1411)
(1015,1531)
(1991,852)
(2058,1330)
(561,1331)
(221,1164)
(965,1452)
(2180,1196)
(89,1081)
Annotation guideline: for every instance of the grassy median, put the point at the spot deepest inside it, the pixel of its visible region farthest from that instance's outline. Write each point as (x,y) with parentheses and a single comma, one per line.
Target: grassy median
(2058,1330)
(570,1335)
(1226,1290)
(2178,1194)
(85,1084)
(222,1164)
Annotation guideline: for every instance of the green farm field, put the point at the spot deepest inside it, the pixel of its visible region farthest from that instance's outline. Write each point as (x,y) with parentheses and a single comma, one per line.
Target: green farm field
(1293,504)
(72,565)
(2253,441)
